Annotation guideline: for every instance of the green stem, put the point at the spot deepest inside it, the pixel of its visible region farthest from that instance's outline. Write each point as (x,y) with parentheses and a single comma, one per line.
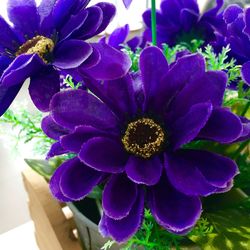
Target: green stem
(240,149)
(153,22)
(246,108)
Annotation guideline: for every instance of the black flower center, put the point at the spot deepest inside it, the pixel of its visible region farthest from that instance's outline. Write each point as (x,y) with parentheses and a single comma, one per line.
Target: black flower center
(143,138)
(40,45)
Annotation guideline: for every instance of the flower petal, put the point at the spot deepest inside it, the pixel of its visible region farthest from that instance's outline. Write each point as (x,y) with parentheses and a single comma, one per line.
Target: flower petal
(223,126)
(24,15)
(173,210)
(122,230)
(55,150)
(153,65)
(187,127)
(113,64)
(77,180)
(127,3)
(77,107)
(118,37)
(73,141)
(119,196)
(20,69)
(43,86)
(245,72)
(104,154)
(185,176)
(143,171)
(52,129)
(71,54)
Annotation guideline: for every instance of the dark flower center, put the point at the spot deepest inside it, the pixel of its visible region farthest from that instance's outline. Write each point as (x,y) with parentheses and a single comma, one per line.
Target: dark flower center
(143,138)
(40,45)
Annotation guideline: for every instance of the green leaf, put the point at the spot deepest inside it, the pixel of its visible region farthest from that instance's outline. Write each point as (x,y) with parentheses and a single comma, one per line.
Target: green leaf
(44,168)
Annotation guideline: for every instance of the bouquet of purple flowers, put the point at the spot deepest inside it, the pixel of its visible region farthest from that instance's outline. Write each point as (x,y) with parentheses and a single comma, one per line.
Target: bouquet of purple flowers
(156,126)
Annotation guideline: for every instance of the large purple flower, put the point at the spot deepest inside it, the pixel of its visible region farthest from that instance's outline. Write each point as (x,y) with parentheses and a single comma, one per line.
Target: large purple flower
(130,135)
(180,21)
(50,37)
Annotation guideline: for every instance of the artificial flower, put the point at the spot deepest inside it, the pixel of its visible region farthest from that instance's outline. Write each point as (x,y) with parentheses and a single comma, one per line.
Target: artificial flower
(49,37)
(134,136)
(180,21)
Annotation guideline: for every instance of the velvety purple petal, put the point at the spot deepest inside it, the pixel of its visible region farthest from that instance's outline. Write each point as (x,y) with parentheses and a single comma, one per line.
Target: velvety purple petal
(208,88)
(188,19)
(154,66)
(8,38)
(55,150)
(119,196)
(118,37)
(73,141)
(77,107)
(52,129)
(245,135)
(20,69)
(245,72)
(5,61)
(122,230)
(71,54)
(92,60)
(102,227)
(127,3)
(54,184)
(74,24)
(187,127)
(43,86)
(113,64)
(184,174)
(231,13)
(24,15)
(218,170)
(247,22)
(77,180)
(180,74)
(108,11)
(143,171)
(135,42)
(173,210)
(223,126)
(104,154)
(7,96)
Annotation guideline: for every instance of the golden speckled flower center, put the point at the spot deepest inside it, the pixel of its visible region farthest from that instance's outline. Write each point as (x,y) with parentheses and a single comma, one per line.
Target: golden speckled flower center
(40,45)
(143,138)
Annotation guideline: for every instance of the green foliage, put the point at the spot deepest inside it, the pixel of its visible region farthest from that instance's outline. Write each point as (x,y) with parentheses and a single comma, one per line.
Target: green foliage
(220,62)
(170,52)
(134,56)
(68,80)
(27,128)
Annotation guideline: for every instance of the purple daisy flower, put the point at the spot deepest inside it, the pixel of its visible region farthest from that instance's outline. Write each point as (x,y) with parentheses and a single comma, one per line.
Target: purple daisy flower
(130,134)
(49,37)
(181,21)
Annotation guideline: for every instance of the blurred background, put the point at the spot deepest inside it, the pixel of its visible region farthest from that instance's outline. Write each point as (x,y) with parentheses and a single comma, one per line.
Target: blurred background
(14,217)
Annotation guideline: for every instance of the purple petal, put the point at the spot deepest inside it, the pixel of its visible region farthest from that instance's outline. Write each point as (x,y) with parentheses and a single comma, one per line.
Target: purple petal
(247,22)
(104,154)
(173,210)
(231,13)
(127,3)
(71,54)
(73,141)
(153,65)
(185,176)
(77,107)
(7,95)
(181,73)
(52,129)
(118,37)
(92,60)
(143,171)
(223,126)
(113,64)
(122,230)
(20,69)
(77,180)
(208,88)
(119,196)
(245,72)
(245,135)
(188,19)
(55,150)
(218,170)
(43,86)
(23,14)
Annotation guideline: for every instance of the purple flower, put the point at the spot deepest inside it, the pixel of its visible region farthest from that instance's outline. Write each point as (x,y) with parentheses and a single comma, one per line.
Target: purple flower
(238,36)
(127,3)
(50,37)
(180,21)
(129,135)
